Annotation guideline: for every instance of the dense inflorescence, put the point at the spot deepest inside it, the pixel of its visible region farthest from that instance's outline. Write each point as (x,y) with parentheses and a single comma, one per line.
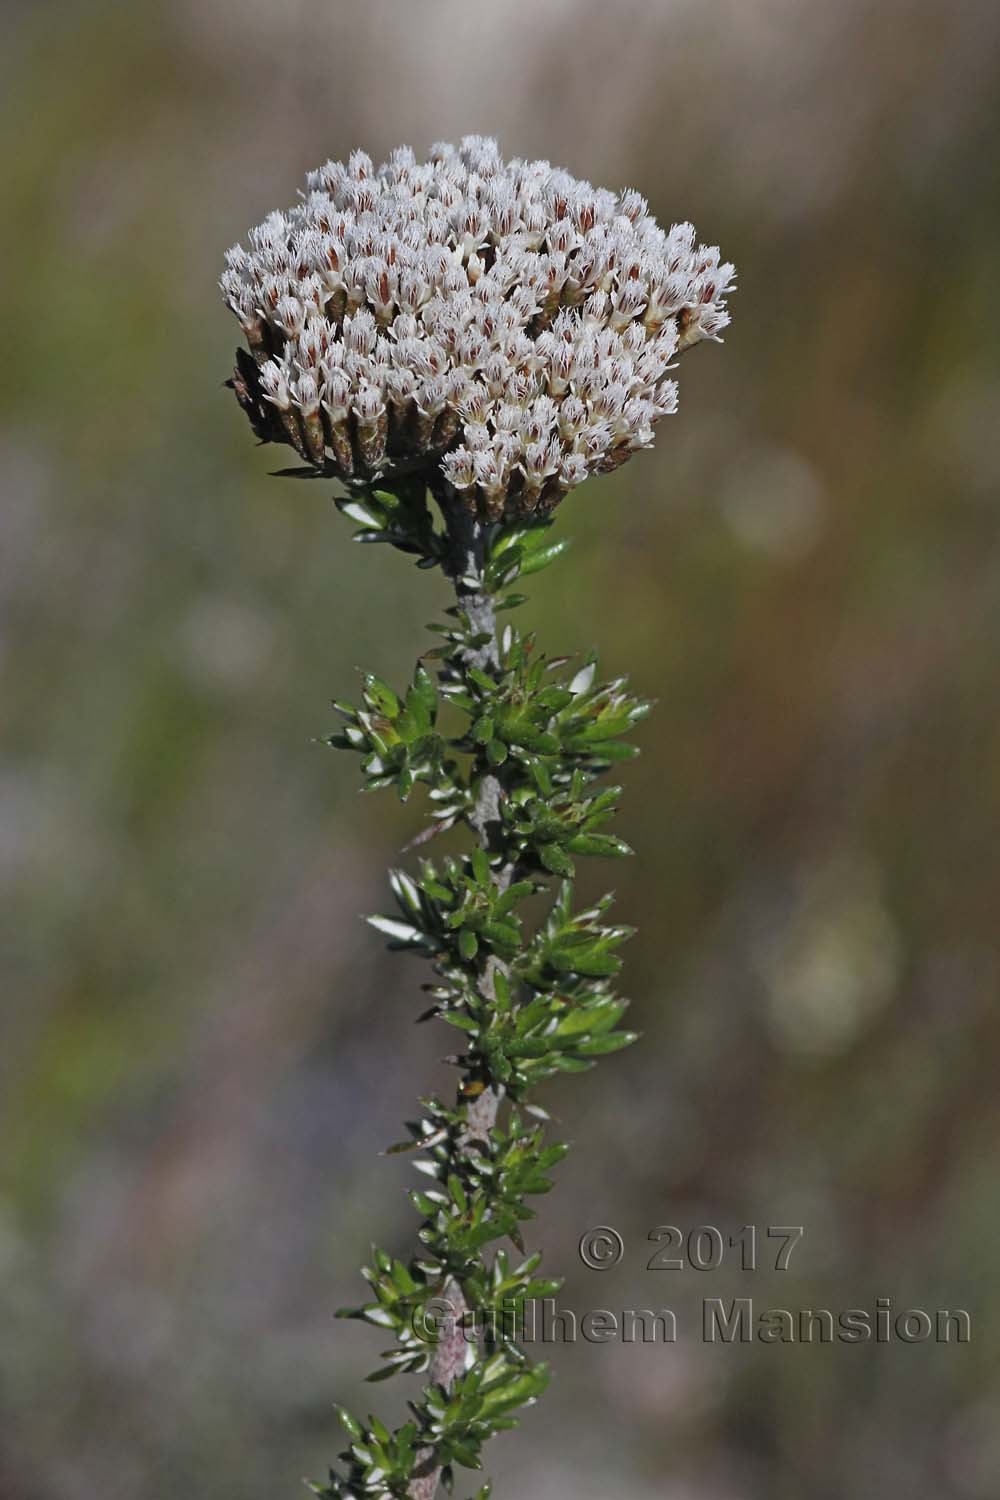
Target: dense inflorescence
(502,328)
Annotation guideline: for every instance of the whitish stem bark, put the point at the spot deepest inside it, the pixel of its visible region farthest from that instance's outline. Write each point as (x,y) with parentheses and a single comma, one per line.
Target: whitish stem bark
(465,568)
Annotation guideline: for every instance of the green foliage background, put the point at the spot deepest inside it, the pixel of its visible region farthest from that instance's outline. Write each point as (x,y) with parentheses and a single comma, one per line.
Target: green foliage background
(202,1046)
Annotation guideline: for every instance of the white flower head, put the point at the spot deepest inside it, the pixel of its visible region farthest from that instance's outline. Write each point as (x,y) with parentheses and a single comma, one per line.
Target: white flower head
(500,327)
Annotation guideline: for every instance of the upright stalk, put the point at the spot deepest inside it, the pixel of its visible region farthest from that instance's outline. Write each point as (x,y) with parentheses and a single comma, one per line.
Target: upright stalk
(465,567)
(518,772)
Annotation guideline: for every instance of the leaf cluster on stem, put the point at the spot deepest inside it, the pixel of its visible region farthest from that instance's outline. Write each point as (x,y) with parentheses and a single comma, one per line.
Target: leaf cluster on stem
(528,741)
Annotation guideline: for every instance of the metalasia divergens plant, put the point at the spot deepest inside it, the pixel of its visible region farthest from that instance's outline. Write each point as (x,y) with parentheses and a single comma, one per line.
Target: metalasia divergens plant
(483,334)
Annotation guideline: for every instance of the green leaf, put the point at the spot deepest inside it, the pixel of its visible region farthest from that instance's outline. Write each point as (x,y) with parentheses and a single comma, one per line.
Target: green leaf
(592,965)
(609,750)
(468,944)
(537,560)
(566,1064)
(501,989)
(381,695)
(423,683)
(503,935)
(598,1046)
(598,843)
(349,1423)
(463,1023)
(555,859)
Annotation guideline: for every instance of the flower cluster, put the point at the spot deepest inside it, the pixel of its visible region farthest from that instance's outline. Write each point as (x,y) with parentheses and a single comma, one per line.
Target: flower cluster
(501,327)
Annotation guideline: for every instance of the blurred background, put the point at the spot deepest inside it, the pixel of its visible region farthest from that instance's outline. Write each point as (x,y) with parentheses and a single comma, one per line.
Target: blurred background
(203,1049)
